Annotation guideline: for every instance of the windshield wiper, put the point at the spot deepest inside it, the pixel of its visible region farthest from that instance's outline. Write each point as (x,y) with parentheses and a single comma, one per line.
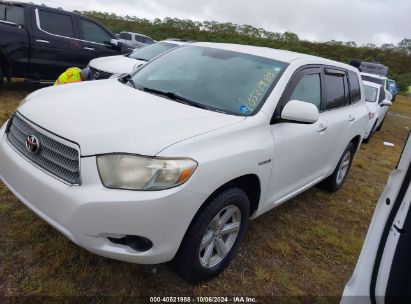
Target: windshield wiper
(176,97)
(131,81)
(141,59)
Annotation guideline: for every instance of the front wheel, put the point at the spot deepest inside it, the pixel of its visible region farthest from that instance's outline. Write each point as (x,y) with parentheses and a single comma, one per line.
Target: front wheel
(337,179)
(213,237)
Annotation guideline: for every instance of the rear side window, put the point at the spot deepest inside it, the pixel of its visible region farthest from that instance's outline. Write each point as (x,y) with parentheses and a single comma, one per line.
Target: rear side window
(93,32)
(11,13)
(125,36)
(335,91)
(56,23)
(382,95)
(355,92)
(387,85)
(308,90)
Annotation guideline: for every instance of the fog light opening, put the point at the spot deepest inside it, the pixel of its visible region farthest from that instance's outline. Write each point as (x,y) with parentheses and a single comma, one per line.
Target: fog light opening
(138,243)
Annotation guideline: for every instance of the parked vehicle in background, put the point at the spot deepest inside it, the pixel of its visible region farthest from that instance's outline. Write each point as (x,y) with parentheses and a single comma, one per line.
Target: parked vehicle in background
(393,88)
(114,66)
(135,40)
(375,68)
(382,274)
(39,42)
(381,80)
(377,105)
(135,163)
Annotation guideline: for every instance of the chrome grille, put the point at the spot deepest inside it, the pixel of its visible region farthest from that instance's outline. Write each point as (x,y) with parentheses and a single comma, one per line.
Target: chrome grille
(56,158)
(95,74)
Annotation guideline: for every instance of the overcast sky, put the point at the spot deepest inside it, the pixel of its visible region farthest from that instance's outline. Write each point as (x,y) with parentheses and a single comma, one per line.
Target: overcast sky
(362,21)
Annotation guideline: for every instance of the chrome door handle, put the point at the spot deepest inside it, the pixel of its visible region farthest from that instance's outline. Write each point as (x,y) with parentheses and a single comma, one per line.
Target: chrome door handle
(351,118)
(42,41)
(322,128)
(89,48)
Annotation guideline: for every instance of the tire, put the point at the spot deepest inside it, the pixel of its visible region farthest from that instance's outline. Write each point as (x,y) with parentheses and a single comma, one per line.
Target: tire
(335,181)
(191,261)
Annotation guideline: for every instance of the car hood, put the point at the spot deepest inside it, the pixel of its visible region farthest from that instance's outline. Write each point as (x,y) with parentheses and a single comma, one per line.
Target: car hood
(107,116)
(115,64)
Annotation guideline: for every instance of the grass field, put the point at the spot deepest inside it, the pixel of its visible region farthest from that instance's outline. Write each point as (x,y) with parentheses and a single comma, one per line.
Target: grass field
(306,247)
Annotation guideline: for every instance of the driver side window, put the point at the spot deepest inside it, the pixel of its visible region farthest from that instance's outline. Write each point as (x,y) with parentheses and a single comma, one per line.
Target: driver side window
(308,90)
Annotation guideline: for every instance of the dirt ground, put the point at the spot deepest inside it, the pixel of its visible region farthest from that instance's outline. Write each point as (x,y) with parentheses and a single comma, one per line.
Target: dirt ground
(306,247)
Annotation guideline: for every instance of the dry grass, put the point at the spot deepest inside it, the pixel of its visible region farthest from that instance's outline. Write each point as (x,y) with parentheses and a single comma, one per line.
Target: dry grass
(306,247)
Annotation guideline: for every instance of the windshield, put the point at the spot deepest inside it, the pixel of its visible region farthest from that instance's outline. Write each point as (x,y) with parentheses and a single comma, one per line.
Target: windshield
(373,79)
(153,50)
(370,93)
(216,79)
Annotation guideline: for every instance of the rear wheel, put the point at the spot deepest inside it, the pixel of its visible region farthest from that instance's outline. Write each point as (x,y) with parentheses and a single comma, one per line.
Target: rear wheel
(337,179)
(213,237)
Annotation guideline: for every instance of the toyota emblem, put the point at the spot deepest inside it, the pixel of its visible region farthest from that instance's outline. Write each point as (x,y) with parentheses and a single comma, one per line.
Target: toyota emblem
(33,144)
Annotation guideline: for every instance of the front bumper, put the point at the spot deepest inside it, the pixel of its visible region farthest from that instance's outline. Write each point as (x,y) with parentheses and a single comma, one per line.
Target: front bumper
(90,213)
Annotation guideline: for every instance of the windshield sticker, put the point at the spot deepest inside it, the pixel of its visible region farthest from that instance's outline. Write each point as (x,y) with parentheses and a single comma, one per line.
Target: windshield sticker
(257,92)
(244,109)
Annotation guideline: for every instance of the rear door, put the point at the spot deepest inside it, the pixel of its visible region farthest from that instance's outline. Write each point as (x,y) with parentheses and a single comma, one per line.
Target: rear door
(54,44)
(95,40)
(384,109)
(344,119)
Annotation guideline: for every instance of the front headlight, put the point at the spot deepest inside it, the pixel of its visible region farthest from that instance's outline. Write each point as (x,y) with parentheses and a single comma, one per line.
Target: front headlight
(132,172)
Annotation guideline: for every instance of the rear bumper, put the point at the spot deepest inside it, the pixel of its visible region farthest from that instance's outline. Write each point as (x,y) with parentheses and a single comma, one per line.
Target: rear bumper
(90,213)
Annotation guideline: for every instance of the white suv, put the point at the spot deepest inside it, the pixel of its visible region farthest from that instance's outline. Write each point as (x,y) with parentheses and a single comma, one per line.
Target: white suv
(115,66)
(381,80)
(170,163)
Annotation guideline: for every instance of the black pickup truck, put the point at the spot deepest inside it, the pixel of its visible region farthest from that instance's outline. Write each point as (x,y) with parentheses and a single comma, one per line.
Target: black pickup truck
(38,42)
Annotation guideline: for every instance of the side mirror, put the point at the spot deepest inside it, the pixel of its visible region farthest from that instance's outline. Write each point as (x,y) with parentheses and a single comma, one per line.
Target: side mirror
(115,43)
(386,102)
(300,111)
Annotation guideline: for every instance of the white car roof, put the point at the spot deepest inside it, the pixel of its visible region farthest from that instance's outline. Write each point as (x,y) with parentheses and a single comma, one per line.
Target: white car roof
(371,84)
(280,55)
(178,42)
(374,75)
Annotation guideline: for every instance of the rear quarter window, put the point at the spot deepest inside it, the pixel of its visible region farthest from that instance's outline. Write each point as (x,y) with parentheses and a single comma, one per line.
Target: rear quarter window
(355,92)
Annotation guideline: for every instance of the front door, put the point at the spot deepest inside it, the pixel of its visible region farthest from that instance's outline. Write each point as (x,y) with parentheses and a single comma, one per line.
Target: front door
(299,159)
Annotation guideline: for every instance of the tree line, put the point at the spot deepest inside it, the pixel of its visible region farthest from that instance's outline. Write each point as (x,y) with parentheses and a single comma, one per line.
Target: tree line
(396,57)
